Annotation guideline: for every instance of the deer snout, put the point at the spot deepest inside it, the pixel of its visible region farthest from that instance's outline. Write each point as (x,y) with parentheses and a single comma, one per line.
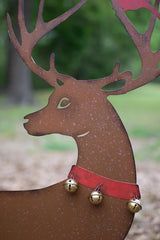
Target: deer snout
(29,125)
(27,118)
(38,123)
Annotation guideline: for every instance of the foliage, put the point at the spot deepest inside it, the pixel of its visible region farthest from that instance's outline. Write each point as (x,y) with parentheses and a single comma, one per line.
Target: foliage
(87,45)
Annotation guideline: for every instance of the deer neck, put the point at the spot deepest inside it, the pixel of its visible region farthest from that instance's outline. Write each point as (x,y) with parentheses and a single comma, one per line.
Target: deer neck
(106,150)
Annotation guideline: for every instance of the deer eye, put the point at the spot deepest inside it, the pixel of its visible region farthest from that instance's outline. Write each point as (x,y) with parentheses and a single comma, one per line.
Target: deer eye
(64,103)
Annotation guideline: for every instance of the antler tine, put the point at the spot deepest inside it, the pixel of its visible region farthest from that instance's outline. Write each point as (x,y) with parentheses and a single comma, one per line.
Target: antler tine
(149,59)
(29,40)
(11,33)
(48,26)
(135,35)
(40,12)
(152,21)
(21,21)
(114,77)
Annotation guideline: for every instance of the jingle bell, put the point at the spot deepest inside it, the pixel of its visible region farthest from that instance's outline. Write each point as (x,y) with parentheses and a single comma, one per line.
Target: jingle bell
(71,185)
(96,197)
(134,205)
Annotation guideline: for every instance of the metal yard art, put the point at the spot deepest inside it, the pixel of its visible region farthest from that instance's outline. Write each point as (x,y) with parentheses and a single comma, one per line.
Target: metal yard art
(100,196)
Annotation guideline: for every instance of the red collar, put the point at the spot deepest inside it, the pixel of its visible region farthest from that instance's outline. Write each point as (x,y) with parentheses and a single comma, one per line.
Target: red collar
(113,188)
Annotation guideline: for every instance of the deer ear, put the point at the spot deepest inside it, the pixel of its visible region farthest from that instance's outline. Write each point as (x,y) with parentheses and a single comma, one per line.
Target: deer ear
(114,86)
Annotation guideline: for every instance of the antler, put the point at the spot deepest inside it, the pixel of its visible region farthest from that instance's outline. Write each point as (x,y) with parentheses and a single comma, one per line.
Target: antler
(149,59)
(29,40)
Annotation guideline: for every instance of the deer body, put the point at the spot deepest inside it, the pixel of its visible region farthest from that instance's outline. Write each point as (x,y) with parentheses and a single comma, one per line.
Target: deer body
(52,213)
(79,109)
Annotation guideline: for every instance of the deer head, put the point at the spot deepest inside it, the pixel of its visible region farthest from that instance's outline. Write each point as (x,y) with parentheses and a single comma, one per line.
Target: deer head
(75,103)
(73,107)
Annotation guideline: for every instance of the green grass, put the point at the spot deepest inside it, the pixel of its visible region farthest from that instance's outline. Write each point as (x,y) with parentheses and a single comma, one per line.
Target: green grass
(150,150)
(140,114)
(58,142)
(139,111)
(12,115)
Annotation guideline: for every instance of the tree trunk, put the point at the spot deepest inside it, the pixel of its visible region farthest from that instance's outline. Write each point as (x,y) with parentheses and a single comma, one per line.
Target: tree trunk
(19,77)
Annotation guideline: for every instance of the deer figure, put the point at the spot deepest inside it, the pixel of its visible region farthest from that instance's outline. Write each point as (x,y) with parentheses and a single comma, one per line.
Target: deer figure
(80,109)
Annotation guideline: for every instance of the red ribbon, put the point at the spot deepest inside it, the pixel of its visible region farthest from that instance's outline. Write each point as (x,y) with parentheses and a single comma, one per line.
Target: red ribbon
(113,188)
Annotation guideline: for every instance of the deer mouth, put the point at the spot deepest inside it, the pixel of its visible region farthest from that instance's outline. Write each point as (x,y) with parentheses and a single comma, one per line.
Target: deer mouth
(83,134)
(26,123)
(26,118)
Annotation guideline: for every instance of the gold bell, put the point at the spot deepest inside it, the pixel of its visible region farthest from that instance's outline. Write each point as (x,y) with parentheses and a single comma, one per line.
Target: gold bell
(95,197)
(71,185)
(134,205)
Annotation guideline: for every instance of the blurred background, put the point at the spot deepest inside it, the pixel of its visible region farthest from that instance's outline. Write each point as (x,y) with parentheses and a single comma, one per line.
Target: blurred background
(86,46)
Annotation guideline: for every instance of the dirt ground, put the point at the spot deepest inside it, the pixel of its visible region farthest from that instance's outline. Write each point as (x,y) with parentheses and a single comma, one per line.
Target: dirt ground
(25,166)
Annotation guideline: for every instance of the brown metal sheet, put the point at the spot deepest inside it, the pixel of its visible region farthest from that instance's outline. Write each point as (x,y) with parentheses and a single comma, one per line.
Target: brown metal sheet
(79,109)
